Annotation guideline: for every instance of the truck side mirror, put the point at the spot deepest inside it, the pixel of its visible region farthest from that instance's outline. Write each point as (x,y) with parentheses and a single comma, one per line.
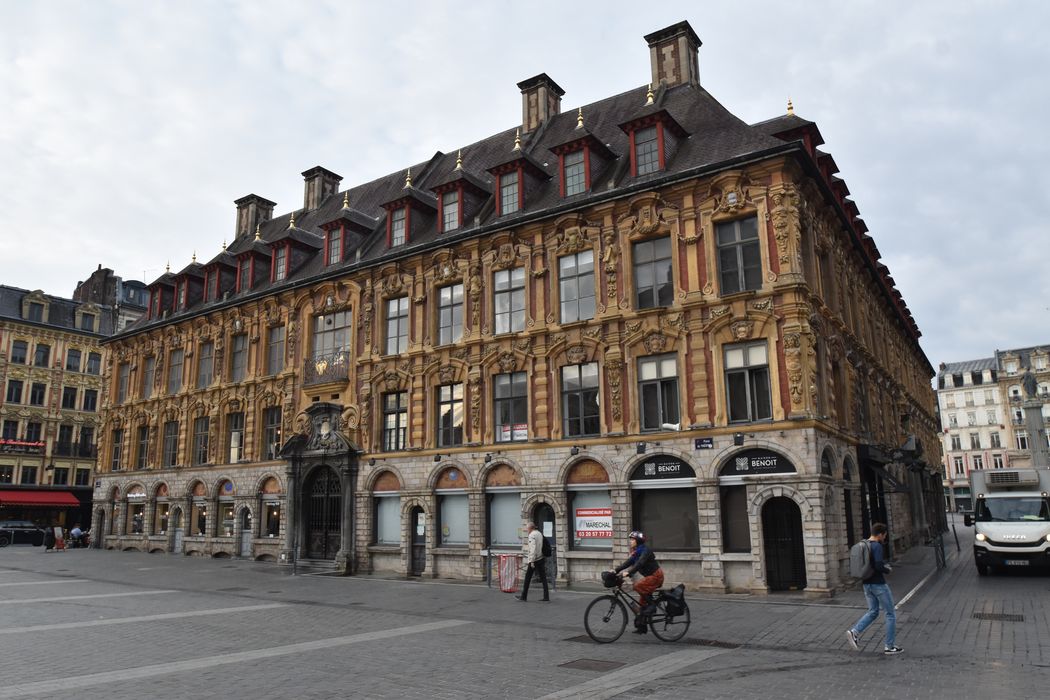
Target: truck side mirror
(967,520)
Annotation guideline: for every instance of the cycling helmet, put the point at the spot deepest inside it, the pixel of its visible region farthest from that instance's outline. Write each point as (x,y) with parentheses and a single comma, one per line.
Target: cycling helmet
(637,535)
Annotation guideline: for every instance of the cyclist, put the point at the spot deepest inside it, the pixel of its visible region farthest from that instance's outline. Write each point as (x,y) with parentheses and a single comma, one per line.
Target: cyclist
(642,561)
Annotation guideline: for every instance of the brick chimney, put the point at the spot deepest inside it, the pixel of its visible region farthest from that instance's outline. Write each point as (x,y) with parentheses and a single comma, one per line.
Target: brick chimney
(540,100)
(252,210)
(320,184)
(673,55)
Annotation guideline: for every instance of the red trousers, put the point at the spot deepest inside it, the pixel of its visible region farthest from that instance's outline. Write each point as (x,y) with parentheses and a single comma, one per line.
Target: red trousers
(644,587)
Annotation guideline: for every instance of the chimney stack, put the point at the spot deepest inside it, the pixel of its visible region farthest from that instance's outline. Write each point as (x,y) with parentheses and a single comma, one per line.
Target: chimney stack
(320,184)
(540,100)
(673,55)
(252,210)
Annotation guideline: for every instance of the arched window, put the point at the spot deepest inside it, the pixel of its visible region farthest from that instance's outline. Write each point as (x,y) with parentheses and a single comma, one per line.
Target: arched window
(590,506)
(198,526)
(271,499)
(453,508)
(503,506)
(136,515)
(224,521)
(161,508)
(387,502)
(663,503)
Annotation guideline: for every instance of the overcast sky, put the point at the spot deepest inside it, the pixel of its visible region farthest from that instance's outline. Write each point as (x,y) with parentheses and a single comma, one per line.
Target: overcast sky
(128,128)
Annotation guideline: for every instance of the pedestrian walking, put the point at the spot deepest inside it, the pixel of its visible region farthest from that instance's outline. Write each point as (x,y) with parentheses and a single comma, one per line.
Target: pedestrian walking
(537,562)
(878,594)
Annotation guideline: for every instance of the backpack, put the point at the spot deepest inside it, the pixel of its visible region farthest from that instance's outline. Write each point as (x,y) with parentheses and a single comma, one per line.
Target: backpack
(546,547)
(860,564)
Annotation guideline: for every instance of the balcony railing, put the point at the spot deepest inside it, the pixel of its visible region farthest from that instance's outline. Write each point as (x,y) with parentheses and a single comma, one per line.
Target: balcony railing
(327,368)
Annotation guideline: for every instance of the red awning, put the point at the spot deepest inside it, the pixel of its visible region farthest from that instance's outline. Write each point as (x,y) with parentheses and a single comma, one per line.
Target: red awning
(38,498)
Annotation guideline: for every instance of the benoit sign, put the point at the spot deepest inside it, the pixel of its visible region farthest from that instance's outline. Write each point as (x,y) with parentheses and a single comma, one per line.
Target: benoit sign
(757,463)
(662,467)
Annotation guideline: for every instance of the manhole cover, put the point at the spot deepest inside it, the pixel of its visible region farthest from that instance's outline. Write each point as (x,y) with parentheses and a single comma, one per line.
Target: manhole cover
(592,665)
(232,589)
(998,617)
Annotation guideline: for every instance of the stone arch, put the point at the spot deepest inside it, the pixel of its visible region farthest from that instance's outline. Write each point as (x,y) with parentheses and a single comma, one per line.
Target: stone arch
(436,474)
(382,479)
(501,470)
(410,502)
(133,484)
(766,493)
(629,464)
(567,467)
(827,462)
(219,490)
(849,469)
(551,498)
(260,483)
(196,488)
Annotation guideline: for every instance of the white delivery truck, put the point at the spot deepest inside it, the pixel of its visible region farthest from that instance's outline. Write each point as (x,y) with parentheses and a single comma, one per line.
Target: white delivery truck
(1011,514)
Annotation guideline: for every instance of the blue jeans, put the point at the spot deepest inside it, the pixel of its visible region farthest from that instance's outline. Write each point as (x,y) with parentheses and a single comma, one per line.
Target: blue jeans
(878,594)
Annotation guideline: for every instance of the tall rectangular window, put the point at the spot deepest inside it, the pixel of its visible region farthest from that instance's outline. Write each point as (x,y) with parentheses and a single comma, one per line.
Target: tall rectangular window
(65,440)
(450,415)
(205,365)
(11,430)
(69,398)
(94,363)
(72,360)
(995,440)
(653,274)
(86,448)
(997,461)
(14,391)
(509,300)
(61,477)
(37,393)
(149,375)
(142,448)
(235,436)
(747,382)
(335,246)
(450,314)
(959,469)
(395,420)
(739,256)
(736,530)
(579,400)
(658,391)
(450,211)
(7,474)
(646,151)
(28,475)
(573,174)
(200,440)
(331,334)
(1022,439)
(244,274)
(43,354)
(33,431)
(90,400)
(20,353)
(576,286)
(36,312)
(123,377)
(509,201)
(397,227)
(175,371)
(239,357)
(87,322)
(975,441)
(396,326)
(275,349)
(171,443)
(82,477)
(272,432)
(117,451)
(978,462)
(956,441)
(280,263)
(511,396)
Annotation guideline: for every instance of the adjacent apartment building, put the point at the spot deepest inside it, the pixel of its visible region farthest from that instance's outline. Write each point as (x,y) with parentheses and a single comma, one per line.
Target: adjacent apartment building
(983,423)
(640,313)
(50,412)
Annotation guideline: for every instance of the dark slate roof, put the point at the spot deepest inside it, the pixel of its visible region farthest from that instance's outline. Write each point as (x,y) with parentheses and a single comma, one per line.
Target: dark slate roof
(223,258)
(61,311)
(967,366)
(1024,355)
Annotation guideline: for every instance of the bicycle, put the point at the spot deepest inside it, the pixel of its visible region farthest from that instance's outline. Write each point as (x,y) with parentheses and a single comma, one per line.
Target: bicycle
(606,616)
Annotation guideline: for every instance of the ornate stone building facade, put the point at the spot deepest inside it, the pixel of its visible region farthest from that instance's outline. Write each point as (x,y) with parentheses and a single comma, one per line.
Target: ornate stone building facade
(643,313)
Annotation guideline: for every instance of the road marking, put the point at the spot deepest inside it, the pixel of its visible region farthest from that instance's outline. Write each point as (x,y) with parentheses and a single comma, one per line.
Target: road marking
(140,618)
(64,598)
(915,590)
(59,685)
(624,679)
(43,583)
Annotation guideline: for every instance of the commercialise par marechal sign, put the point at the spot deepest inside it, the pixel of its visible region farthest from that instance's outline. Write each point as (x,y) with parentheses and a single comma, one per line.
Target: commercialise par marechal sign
(662,467)
(757,463)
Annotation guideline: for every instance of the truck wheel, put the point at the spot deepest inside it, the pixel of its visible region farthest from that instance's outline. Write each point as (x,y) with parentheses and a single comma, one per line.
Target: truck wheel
(982,569)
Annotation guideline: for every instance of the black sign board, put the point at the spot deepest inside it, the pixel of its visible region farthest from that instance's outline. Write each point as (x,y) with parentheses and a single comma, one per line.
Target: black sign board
(662,467)
(703,443)
(756,462)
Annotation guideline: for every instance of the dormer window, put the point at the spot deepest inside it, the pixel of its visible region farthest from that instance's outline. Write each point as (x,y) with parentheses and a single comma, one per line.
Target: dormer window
(654,140)
(574,173)
(180,294)
(509,193)
(397,226)
(334,245)
(450,219)
(35,312)
(646,151)
(87,322)
(244,274)
(280,263)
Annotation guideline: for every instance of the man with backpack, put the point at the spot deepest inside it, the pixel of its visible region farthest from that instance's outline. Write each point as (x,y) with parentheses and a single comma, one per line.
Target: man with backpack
(536,552)
(867,564)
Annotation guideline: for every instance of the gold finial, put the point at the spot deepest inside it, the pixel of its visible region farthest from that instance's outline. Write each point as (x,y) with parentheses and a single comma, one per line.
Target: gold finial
(649,95)
(579,119)
(791,107)
(346,200)
(167,268)
(194,259)
(291,220)
(258,236)
(517,139)
(224,244)
(459,159)
(408,178)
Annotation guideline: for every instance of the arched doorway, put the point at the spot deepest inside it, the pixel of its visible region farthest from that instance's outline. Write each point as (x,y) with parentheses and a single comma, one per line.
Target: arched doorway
(417,559)
(782,540)
(247,535)
(543,516)
(322,513)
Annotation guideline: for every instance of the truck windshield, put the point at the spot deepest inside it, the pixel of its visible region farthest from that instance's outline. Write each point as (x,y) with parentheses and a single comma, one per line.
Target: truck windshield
(1012,509)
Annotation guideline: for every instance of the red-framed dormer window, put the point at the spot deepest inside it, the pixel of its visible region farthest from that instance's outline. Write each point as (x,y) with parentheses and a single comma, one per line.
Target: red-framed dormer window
(333,246)
(244,273)
(279,264)
(180,294)
(508,185)
(397,226)
(575,170)
(451,211)
(207,285)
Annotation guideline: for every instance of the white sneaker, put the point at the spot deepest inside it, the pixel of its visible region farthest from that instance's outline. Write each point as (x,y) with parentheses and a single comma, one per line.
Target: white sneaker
(851,637)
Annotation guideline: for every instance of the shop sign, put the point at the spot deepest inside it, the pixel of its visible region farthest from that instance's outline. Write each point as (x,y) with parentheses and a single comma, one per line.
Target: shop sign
(26,447)
(662,467)
(593,522)
(757,463)
(704,443)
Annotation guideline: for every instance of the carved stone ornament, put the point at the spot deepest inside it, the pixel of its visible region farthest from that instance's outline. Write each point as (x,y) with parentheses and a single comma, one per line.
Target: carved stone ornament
(763,305)
(613,368)
(475,402)
(392,380)
(655,342)
(445,271)
(302,424)
(786,227)
(720,311)
(507,361)
(573,240)
(742,329)
(392,283)
(505,256)
(674,321)
(523,345)
(646,218)
(577,354)
(447,374)
(633,327)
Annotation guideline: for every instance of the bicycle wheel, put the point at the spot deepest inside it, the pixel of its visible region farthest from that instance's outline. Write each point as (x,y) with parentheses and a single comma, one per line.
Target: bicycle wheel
(605,619)
(669,628)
